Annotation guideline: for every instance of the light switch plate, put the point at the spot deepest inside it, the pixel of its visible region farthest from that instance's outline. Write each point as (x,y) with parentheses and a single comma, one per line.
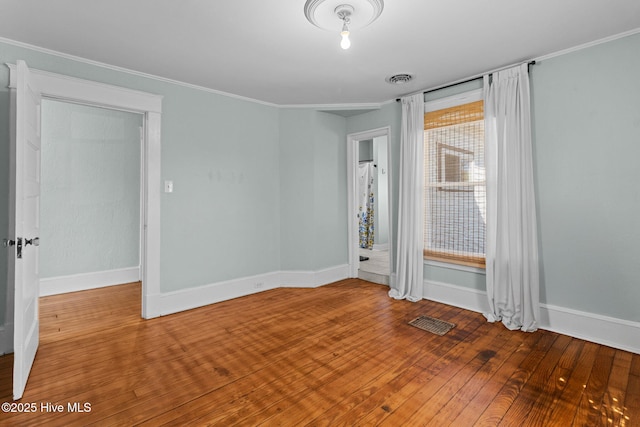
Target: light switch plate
(168,186)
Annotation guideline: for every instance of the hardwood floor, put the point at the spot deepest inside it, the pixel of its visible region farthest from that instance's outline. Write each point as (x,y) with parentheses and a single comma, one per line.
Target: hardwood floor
(339,355)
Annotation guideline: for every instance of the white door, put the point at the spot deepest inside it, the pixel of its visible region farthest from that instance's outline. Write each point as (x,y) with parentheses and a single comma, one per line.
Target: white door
(23,271)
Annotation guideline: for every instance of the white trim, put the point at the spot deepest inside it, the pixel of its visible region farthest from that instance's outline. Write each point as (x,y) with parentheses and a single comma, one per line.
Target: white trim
(588,45)
(352,208)
(458,296)
(537,59)
(452,266)
(187,299)
(84,281)
(605,330)
(150,249)
(353,106)
(313,279)
(93,93)
(63,87)
(453,100)
(128,71)
(6,338)
(327,108)
(610,331)
(373,106)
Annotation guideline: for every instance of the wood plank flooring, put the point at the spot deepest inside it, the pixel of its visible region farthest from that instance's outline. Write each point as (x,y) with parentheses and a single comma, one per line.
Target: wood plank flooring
(339,355)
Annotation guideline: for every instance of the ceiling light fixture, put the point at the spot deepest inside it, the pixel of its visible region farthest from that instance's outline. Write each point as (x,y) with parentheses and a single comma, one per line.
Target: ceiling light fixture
(344,12)
(336,15)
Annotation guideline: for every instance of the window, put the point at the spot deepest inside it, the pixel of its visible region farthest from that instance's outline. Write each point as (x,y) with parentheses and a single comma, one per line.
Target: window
(455,190)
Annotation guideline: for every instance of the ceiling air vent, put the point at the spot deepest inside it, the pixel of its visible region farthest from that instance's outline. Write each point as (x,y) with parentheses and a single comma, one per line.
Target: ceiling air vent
(399,79)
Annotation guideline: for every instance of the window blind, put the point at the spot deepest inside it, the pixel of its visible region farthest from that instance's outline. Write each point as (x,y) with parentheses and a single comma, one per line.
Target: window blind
(455,191)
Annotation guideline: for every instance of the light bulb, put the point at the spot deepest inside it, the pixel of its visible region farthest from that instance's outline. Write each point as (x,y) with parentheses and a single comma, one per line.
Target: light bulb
(345,43)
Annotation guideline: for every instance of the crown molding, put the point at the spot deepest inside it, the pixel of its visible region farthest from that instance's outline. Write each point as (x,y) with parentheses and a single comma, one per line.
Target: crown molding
(372,106)
(129,71)
(536,59)
(355,106)
(588,45)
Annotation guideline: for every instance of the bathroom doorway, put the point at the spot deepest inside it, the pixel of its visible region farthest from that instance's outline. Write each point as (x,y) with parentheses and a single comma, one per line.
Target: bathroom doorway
(369,209)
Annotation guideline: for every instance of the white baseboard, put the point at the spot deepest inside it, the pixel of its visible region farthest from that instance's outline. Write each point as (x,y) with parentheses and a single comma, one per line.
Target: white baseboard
(174,302)
(609,331)
(186,299)
(6,338)
(81,282)
(458,296)
(313,279)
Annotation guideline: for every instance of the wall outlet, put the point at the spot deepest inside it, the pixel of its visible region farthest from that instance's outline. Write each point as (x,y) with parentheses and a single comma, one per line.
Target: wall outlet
(259,285)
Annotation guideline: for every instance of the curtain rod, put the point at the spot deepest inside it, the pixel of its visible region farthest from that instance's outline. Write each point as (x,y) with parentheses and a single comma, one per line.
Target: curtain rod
(470,79)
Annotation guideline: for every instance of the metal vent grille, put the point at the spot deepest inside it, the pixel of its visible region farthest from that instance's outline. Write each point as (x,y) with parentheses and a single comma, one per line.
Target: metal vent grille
(398,79)
(430,324)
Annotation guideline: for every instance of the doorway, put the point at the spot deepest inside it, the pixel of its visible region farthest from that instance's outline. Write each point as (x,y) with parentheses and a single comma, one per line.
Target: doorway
(27,87)
(90,199)
(369,210)
(74,90)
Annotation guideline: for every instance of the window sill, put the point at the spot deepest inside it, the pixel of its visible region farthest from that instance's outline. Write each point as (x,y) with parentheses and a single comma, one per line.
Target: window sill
(452,266)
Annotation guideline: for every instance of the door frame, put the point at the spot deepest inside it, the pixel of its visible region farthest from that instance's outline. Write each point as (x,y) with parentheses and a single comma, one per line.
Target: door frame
(70,89)
(353,150)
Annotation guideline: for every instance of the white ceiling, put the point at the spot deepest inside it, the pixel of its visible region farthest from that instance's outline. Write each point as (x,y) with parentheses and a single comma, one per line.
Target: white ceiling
(268,51)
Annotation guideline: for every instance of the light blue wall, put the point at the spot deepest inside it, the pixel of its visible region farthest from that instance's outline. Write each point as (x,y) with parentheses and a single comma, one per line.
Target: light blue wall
(90,192)
(330,190)
(296,184)
(223,219)
(313,190)
(586,116)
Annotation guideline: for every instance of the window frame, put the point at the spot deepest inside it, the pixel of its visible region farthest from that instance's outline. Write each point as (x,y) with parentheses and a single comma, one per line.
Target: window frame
(440,104)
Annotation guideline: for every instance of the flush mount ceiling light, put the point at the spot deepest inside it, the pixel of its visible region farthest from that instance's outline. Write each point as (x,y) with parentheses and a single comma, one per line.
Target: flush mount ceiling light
(342,16)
